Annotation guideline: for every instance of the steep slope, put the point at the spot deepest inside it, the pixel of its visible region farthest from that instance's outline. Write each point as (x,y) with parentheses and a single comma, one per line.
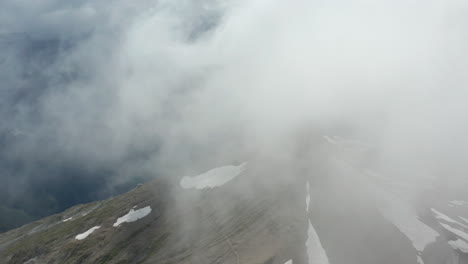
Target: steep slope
(239,222)
(313,210)
(363,216)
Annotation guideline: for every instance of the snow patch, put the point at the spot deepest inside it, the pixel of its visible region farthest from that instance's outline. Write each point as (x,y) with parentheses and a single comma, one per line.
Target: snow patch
(420,234)
(289,262)
(396,200)
(308,196)
(213,178)
(87,233)
(419,260)
(464,219)
(133,215)
(315,250)
(406,220)
(31,261)
(330,140)
(90,210)
(68,219)
(458,203)
(441,216)
(460,245)
(455,231)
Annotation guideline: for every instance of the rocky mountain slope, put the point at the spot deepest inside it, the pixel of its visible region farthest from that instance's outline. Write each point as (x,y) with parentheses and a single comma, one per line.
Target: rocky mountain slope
(261,212)
(220,225)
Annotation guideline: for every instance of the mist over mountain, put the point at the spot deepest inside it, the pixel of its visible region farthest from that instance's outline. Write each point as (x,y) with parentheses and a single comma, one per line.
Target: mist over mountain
(97,97)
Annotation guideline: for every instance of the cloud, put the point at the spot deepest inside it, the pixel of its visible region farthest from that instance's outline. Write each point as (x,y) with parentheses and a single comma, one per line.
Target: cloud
(166,85)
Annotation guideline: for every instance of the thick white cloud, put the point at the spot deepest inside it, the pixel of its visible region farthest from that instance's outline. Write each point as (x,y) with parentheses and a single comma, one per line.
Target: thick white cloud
(243,75)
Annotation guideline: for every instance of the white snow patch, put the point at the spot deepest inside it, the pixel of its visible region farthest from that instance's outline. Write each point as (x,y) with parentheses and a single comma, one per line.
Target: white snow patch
(68,219)
(464,219)
(458,203)
(87,233)
(330,140)
(213,178)
(420,234)
(289,262)
(460,245)
(133,215)
(395,199)
(315,250)
(455,231)
(403,216)
(31,261)
(441,216)
(419,260)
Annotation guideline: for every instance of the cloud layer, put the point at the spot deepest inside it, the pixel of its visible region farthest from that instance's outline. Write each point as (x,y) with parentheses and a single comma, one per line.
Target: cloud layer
(166,86)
